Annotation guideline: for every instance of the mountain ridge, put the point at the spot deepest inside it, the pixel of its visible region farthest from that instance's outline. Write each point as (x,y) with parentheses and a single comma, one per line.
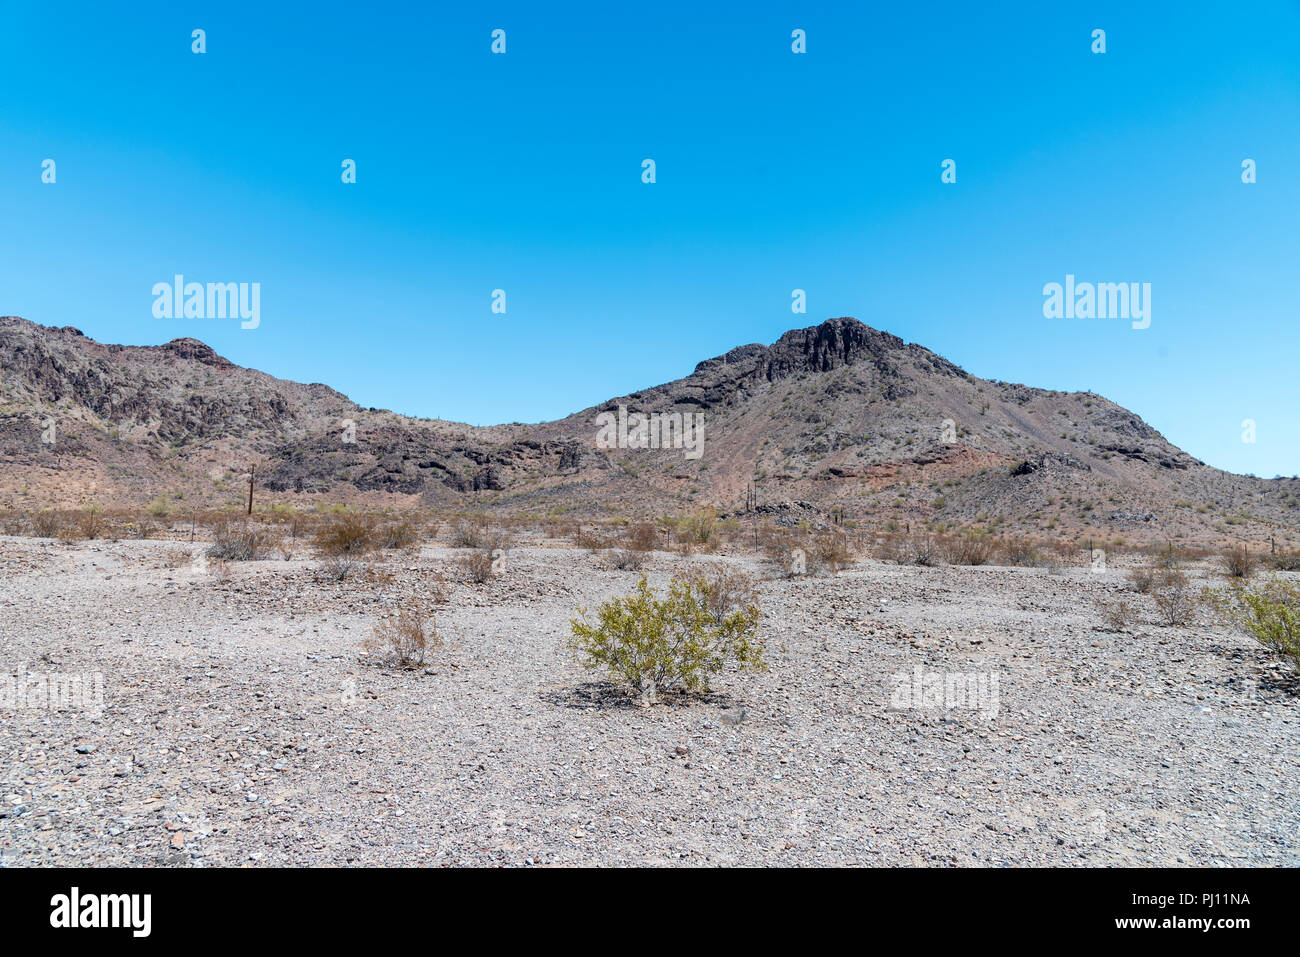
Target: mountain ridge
(840,414)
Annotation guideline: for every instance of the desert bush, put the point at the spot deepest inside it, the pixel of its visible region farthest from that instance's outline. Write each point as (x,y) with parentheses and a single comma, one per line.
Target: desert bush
(1175,600)
(242,543)
(698,531)
(1022,552)
(1143,579)
(642,537)
(916,548)
(405,639)
(1237,562)
(337,568)
(481,564)
(675,643)
(348,533)
(830,552)
(1118,615)
(469,533)
(592,541)
(46,522)
(1170,555)
(794,555)
(625,559)
(1283,561)
(1269,612)
(90,523)
(969,548)
(401,533)
(728,590)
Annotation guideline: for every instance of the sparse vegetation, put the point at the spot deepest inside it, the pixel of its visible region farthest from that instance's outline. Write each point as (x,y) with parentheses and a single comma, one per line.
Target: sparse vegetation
(1269,612)
(243,542)
(1118,615)
(1238,562)
(349,533)
(676,643)
(1175,600)
(480,565)
(405,639)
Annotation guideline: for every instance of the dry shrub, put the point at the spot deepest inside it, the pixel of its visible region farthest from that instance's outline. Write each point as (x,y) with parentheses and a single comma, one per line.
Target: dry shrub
(405,639)
(337,568)
(1175,600)
(592,541)
(242,543)
(560,529)
(480,565)
(830,552)
(642,537)
(1238,562)
(916,548)
(401,533)
(726,590)
(970,548)
(90,523)
(625,559)
(469,533)
(379,575)
(1143,579)
(1285,561)
(1118,615)
(350,533)
(1170,555)
(1021,552)
(436,589)
(46,522)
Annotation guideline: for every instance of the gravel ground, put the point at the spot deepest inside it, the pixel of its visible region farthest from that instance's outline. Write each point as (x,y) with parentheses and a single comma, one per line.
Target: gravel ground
(240,726)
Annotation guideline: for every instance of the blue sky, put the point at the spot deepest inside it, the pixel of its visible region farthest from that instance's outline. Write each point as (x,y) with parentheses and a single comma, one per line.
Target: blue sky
(775,171)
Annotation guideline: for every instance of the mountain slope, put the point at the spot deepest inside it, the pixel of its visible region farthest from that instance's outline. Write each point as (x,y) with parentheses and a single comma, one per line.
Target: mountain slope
(840,415)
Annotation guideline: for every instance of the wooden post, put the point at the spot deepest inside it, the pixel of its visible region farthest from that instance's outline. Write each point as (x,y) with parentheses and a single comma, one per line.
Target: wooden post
(251,475)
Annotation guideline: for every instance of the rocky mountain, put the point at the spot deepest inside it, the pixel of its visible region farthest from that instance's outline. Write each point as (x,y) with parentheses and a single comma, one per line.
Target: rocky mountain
(838,417)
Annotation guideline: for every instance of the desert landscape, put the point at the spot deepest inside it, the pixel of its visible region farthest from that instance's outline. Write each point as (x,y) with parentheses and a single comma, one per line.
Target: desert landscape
(937,621)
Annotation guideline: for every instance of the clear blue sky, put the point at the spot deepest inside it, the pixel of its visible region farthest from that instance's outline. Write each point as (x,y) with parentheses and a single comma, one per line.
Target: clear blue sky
(775,171)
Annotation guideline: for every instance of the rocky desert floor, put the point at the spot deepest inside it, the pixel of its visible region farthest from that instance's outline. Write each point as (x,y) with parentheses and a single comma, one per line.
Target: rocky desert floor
(241,726)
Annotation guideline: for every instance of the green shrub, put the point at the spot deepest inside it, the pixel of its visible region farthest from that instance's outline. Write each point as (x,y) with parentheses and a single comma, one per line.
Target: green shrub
(1269,612)
(675,643)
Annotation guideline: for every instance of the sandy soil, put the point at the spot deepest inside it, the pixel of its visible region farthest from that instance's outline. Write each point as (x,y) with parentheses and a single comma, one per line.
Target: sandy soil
(240,726)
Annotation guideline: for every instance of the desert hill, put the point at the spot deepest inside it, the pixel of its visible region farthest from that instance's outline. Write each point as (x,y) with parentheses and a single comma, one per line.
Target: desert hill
(838,418)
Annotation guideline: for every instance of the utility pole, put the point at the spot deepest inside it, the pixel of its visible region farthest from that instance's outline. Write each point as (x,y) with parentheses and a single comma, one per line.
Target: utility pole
(252,473)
